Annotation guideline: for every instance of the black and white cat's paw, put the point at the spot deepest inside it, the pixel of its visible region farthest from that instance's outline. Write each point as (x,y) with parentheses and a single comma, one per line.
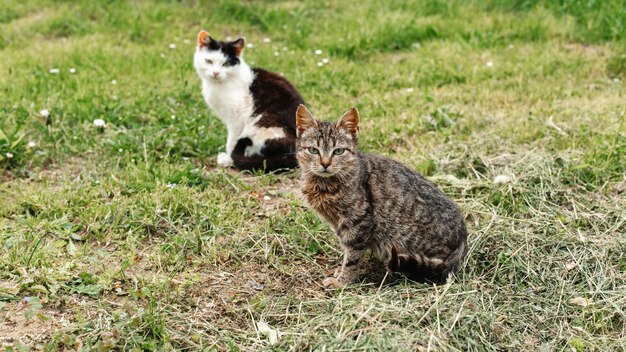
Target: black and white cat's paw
(224,160)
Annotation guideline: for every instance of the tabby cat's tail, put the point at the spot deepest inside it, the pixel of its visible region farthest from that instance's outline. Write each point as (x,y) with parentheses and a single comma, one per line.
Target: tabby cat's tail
(423,269)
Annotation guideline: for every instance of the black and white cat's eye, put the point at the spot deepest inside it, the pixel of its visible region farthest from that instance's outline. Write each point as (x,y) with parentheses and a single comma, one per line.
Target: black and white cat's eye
(210,62)
(227,64)
(339,151)
(313,150)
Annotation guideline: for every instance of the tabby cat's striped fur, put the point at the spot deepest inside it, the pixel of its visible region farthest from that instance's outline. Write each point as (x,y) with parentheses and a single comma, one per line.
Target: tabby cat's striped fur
(375,203)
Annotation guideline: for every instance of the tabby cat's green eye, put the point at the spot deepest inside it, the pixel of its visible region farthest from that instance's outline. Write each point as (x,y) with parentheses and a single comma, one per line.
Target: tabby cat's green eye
(313,150)
(339,151)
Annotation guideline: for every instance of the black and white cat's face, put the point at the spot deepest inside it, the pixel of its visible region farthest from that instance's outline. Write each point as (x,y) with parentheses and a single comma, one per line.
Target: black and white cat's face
(217,61)
(327,149)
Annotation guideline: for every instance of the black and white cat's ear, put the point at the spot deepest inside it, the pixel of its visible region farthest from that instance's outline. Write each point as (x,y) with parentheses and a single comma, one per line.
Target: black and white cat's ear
(238,45)
(204,39)
(304,120)
(350,121)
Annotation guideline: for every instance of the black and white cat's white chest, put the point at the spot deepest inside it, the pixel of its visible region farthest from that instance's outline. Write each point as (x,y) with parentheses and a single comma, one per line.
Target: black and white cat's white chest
(231,101)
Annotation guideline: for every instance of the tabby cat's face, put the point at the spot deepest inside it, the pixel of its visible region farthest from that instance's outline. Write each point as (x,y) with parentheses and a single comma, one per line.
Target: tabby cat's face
(327,149)
(217,61)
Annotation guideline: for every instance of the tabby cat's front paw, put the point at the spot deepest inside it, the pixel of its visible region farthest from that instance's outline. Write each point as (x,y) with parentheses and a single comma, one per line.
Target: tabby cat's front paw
(224,160)
(332,282)
(337,272)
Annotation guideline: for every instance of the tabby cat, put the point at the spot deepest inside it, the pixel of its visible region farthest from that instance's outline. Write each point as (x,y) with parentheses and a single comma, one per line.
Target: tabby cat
(258,107)
(375,203)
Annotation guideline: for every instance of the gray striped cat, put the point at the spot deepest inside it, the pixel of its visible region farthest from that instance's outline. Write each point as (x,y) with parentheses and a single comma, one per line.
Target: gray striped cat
(375,203)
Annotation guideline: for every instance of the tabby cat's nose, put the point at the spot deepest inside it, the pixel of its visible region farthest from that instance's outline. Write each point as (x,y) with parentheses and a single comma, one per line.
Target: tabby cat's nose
(325,163)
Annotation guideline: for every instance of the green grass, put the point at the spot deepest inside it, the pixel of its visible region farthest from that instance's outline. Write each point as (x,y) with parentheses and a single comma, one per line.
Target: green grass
(128,237)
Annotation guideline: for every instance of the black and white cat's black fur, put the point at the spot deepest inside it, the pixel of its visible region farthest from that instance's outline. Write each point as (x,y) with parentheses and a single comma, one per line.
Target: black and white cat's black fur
(258,107)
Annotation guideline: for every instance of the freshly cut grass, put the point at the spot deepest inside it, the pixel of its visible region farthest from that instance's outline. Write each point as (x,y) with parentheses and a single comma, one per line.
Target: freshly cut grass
(127,236)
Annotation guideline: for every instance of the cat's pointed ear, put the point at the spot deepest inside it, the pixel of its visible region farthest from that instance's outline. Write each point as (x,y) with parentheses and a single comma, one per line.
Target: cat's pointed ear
(304,119)
(238,45)
(350,121)
(204,39)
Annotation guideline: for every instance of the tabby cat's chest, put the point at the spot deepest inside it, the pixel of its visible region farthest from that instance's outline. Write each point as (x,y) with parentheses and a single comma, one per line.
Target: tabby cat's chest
(335,202)
(328,205)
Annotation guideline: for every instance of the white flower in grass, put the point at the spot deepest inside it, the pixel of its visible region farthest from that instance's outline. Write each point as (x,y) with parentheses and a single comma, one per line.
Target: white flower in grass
(173,117)
(266,330)
(325,60)
(318,52)
(44,113)
(186,41)
(276,53)
(32,144)
(501,179)
(249,45)
(581,301)
(571,265)
(171,185)
(54,71)
(320,64)
(72,70)
(410,90)
(285,48)
(489,64)
(172,46)
(25,301)
(266,40)
(9,155)
(114,82)
(99,123)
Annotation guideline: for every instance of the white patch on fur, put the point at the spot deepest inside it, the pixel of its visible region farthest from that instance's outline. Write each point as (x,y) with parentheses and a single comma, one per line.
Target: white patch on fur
(432,261)
(259,135)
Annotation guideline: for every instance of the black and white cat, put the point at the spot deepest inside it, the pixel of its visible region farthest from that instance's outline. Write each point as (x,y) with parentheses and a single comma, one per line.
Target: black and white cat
(258,107)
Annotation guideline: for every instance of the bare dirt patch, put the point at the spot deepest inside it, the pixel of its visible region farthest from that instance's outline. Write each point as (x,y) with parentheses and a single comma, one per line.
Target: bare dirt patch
(15,326)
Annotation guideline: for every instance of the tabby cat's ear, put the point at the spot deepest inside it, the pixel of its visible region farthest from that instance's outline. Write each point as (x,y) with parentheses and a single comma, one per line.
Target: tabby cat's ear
(204,39)
(304,120)
(238,45)
(350,121)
